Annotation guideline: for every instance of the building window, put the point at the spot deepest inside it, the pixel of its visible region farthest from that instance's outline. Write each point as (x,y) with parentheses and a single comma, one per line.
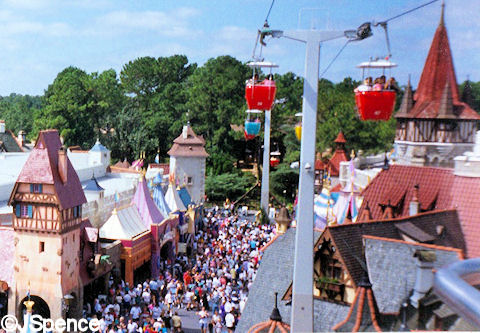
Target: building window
(36,188)
(24,211)
(41,247)
(77,211)
(189,180)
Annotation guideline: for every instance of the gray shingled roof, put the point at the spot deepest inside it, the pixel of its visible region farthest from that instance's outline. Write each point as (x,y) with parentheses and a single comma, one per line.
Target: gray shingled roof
(275,274)
(327,314)
(11,146)
(392,270)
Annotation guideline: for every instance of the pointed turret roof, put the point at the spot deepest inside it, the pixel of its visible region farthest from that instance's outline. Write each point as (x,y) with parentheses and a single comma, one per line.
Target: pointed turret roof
(363,313)
(439,70)
(93,185)
(42,168)
(146,207)
(446,104)
(188,144)
(407,102)
(340,138)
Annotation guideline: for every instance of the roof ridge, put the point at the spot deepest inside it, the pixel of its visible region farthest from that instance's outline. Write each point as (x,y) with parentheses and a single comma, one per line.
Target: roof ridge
(398,219)
(430,246)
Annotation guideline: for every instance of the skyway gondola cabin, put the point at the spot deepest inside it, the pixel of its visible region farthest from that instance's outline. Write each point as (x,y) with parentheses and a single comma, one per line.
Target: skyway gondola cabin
(375,104)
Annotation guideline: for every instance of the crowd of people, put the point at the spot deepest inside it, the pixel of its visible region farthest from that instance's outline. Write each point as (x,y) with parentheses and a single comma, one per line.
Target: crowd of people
(213,282)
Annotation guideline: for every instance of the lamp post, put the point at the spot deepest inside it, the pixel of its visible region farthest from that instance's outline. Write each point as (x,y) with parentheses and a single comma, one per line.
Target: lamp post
(302,291)
(66,302)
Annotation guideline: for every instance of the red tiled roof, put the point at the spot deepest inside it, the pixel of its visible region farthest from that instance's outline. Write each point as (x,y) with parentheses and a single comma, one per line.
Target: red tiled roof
(319,165)
(334,163)
(437,71)
(464,196)
(122,164)
(164,166)
(438,189)
(42,168)
(190,146)
(397,186)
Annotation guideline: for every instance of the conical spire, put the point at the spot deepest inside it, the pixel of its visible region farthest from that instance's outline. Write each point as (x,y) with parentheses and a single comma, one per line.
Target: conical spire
(438,69)
(445,111)
(407,101)
(363,313)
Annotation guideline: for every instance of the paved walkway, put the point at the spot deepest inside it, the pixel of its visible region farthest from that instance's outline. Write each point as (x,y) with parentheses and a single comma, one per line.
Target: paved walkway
(189,321)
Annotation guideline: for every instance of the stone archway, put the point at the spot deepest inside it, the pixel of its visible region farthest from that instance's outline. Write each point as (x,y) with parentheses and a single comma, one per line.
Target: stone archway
(166,250)
(40,307)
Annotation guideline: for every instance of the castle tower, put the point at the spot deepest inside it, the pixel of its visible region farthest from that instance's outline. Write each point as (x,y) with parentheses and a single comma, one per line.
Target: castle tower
(187,162)
(435,125)
(47,204)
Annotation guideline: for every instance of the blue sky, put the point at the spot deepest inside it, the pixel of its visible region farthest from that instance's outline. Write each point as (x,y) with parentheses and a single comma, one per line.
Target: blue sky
(41,37)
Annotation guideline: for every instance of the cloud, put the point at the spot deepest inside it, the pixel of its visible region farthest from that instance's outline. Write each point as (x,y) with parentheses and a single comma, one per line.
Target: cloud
(173,24)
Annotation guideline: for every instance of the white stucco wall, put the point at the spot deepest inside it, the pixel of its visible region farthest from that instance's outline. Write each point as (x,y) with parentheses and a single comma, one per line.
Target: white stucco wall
(194,167)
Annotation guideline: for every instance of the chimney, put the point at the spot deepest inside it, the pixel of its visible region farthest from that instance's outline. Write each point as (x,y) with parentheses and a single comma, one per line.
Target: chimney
(185,131)
(414,204)
(62,164)
(2,126)
(424,276)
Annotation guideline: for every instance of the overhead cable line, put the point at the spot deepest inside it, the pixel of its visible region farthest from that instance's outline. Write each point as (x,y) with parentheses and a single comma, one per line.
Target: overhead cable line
(409,11)
(335,58)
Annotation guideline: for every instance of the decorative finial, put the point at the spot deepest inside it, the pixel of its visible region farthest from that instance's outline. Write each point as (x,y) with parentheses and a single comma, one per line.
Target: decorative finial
(352,154)
(442,16)
(29,305)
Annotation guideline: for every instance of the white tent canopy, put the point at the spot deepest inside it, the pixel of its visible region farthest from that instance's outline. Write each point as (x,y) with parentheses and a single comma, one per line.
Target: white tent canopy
(173,199)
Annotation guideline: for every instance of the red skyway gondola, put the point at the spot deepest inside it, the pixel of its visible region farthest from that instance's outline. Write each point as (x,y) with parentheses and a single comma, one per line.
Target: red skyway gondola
(275,159)
(260,95)
(375,104)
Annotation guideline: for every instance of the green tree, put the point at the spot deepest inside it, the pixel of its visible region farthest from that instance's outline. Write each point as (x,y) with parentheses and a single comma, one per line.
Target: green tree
(156,87)
(69,107)
(216,100)
(227,185)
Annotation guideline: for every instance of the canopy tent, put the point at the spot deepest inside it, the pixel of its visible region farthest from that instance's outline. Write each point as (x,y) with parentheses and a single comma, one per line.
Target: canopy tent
(185,196)
(173,199)
(159,198)
(347,206)
(146,206)
(124,224)
(323,208)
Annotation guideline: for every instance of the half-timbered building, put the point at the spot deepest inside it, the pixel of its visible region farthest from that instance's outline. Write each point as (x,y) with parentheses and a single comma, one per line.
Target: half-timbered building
(434,125)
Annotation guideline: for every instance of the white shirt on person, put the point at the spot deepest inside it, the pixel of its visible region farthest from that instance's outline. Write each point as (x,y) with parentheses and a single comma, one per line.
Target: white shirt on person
(229,320)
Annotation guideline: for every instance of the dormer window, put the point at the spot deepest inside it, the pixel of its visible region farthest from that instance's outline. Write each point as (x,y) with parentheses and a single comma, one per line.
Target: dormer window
(36,188)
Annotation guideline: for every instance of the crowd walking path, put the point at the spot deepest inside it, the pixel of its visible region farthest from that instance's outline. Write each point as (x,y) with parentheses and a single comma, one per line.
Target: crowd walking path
(202,293)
